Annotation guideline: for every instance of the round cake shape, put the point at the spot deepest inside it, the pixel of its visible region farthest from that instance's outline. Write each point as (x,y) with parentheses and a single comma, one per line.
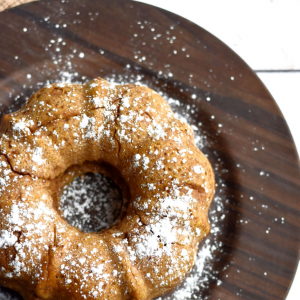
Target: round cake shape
(170,185)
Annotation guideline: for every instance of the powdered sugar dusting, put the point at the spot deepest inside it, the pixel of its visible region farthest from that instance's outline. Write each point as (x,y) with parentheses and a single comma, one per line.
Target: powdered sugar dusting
(91,203)
(196,284)
(8,294)
(77,200)
(80,213)
(37,156)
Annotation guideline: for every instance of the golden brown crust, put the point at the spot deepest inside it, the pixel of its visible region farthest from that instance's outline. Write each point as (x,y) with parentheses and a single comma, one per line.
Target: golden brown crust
(130,134)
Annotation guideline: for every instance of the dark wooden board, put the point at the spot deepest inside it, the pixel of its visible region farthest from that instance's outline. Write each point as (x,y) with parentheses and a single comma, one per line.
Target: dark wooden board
(247,140)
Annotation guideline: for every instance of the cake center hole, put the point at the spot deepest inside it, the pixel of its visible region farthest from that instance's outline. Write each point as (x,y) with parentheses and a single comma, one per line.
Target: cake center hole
(92,202)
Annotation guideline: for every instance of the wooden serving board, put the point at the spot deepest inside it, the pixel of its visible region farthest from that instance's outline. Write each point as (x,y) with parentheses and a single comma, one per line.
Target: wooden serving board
(246,137)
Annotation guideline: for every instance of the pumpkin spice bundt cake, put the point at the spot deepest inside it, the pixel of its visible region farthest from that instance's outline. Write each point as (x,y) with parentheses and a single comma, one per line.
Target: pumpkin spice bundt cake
(129,133)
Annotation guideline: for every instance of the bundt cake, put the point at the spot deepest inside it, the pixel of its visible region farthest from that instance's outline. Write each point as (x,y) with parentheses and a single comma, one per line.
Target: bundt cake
(129,133)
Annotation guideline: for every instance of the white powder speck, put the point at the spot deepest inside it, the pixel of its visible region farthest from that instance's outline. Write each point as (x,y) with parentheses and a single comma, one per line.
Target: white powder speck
(98,270)
(198,169)
(145,161)
(37,156)
(7,239)
(125,102)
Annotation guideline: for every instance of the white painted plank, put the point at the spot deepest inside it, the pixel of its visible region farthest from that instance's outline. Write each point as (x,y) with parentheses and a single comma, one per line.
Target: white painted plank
(294,293)
(265,33)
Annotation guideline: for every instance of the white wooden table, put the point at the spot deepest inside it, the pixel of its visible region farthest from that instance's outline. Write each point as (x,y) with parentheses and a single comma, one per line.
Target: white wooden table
(266,34)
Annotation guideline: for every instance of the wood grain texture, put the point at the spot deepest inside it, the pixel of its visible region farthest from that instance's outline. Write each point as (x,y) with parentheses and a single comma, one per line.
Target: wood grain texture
(248,134)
